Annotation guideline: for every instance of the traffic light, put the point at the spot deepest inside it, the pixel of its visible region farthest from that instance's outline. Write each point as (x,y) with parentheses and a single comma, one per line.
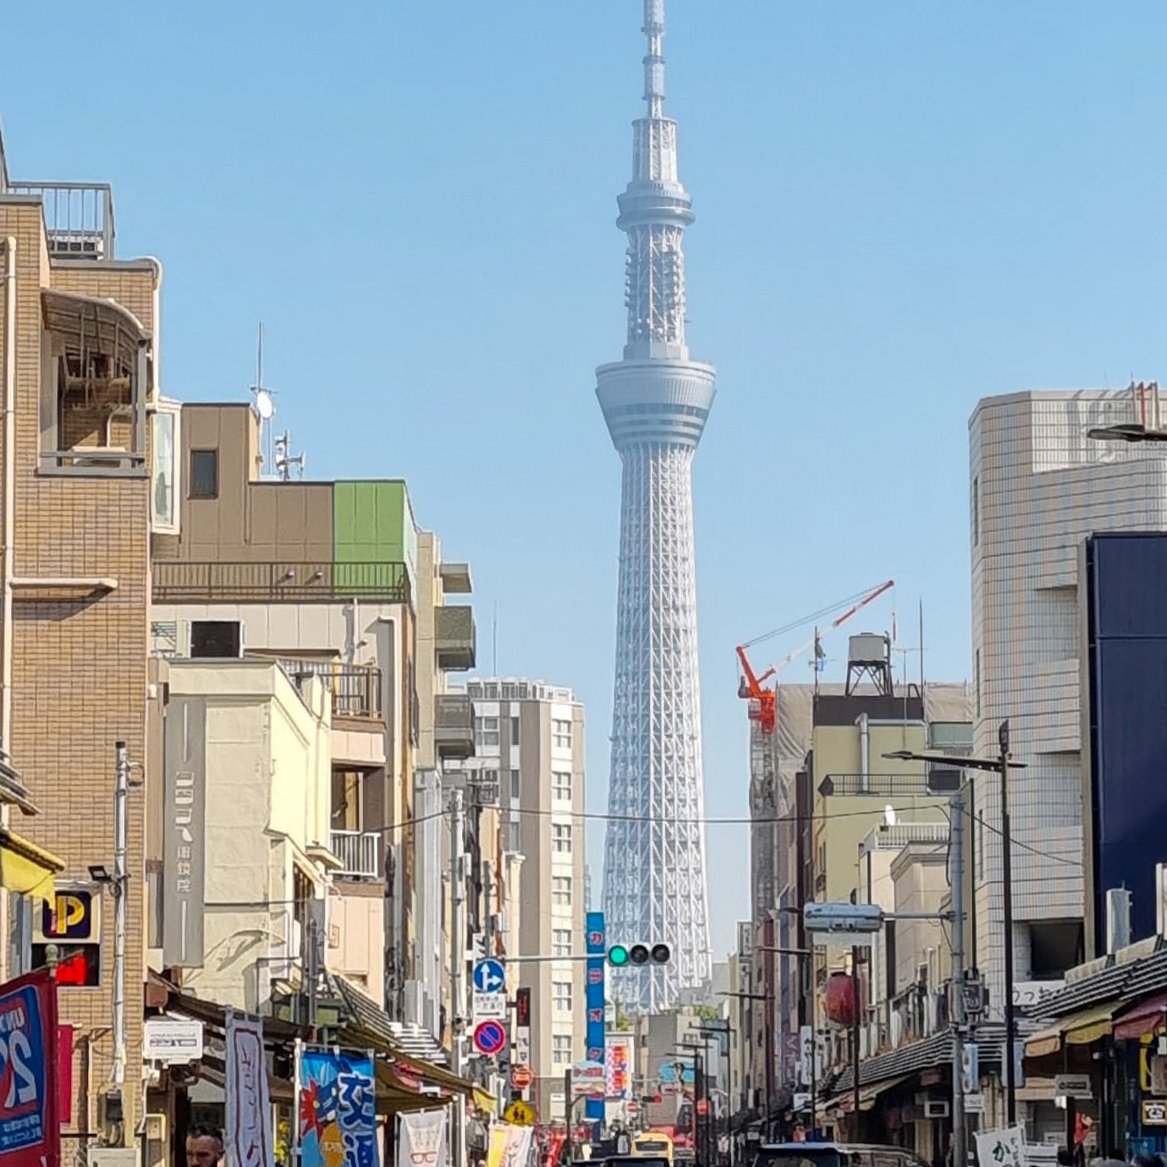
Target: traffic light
(621,955)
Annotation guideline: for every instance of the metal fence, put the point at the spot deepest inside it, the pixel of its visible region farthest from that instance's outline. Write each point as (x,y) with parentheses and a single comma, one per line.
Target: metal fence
(181,581)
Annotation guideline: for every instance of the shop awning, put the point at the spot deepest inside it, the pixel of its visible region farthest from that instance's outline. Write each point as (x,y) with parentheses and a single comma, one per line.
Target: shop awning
(845,1102)
(485,1103)
(1081,1028)
(26,868)
(1141,1019)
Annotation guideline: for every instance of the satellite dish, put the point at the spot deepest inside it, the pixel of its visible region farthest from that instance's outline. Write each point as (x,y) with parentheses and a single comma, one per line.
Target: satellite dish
(264,406)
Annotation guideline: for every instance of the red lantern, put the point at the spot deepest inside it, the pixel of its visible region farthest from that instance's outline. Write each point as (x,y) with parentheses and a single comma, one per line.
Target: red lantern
(839,999)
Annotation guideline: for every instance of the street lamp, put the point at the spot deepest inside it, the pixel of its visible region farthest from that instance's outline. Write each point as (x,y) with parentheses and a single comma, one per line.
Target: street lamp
(1000,765)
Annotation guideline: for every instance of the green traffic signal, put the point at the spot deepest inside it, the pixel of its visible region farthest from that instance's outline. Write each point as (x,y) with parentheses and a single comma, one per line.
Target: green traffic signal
(620,955)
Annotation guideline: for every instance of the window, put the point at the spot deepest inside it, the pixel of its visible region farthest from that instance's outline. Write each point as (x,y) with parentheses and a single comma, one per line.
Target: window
(976,511)
(561,785)
(561,1048)
(977,680)
(561,995)
(561,839)
(560,941)
(561,890)
(215,638)
(204,474)
(514,843)
(561,733)
(516,787)
(514,731)
(486,731)
(164,501)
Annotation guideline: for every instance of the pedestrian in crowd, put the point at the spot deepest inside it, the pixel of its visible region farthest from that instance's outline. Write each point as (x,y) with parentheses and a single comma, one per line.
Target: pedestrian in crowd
(204,1147)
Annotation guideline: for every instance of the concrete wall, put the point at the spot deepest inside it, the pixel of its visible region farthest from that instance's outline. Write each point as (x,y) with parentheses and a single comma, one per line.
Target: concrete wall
(267,805)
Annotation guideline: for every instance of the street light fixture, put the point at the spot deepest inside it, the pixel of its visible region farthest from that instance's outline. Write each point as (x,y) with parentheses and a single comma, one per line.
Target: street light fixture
(1001,764)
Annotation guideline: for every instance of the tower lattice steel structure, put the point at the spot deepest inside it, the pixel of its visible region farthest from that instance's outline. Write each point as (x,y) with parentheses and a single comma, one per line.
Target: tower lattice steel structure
(655,402)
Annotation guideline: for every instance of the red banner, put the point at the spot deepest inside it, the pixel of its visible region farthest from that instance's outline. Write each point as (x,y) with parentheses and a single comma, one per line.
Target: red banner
(30,1132)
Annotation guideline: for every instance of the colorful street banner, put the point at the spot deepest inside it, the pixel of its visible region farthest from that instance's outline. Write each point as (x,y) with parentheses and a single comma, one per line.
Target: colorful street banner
(510,1146)
(249,1136)
(618,1067)
(337,1124)
(421,1139)
(594,999)
(29,1123)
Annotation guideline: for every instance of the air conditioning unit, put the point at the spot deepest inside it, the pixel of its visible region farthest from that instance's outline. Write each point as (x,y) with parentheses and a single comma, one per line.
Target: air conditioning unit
(936,1109)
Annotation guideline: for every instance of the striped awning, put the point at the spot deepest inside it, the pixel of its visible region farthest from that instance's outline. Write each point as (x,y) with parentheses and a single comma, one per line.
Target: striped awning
(1082,1028)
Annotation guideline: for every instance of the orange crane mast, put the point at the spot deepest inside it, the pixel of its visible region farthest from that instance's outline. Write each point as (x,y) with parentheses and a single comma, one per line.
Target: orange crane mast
(763,699)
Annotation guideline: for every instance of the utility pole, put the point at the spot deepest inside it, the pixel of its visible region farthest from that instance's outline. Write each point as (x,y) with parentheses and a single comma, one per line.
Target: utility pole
(120,889)
(1007,922)
(855,1002)
(457,968)
(959,1133)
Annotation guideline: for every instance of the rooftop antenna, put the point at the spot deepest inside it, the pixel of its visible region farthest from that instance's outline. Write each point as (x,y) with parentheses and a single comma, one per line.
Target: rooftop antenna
(264,406)
(494,641)
(285,460)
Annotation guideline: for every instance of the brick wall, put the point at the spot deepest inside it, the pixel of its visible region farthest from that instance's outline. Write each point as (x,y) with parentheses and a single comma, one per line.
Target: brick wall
(79,675)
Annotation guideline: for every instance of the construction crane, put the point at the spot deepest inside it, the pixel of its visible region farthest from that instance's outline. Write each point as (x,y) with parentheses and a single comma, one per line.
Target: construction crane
(763,699)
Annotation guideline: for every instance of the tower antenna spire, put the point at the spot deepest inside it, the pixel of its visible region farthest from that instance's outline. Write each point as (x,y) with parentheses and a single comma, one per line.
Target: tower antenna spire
(654,63)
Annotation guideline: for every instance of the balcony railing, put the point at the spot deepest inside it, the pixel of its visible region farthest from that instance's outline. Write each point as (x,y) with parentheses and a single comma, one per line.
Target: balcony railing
(359,853)
(454,636)
(453,725)
(79,219)
(355,689)
(180,581)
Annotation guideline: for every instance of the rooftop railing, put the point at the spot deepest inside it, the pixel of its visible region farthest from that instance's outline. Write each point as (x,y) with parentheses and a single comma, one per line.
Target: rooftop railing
(79,220)
(183,581)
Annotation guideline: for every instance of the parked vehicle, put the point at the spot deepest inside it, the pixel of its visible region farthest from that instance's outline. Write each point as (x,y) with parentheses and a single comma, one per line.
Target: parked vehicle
(834,1155)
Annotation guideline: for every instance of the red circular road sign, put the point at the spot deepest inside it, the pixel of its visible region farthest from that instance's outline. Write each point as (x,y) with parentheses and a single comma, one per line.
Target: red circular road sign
(521,1077)
(489,1037)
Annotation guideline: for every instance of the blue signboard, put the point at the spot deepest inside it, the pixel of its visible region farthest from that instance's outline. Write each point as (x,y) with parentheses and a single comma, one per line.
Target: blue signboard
(594,998)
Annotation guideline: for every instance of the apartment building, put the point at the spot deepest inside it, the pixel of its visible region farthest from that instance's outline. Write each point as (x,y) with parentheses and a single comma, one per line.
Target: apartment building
(255,747)
(529,743)
(331,580)
(1039,487)
(80,382)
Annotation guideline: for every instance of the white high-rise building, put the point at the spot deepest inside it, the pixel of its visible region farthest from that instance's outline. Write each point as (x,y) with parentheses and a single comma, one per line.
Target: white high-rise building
(1039,487)
(529,740)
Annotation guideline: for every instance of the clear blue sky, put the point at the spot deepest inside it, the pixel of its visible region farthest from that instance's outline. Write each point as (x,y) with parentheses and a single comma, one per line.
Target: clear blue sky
(902,207)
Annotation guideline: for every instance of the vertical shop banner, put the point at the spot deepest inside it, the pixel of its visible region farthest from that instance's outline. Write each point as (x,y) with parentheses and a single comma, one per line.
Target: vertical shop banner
(618,1067)
(249,1137)
(337,1123)
(594,999)
(421,1139)
(510,1146)
(29,1125)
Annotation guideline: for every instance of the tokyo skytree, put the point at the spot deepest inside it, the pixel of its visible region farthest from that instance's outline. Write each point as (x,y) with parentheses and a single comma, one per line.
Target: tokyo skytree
(655,402)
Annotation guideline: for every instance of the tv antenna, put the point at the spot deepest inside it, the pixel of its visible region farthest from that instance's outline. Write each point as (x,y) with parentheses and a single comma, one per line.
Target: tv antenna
(264,406)
(285,460)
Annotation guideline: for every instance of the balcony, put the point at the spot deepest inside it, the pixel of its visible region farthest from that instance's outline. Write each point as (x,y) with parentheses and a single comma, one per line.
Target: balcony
(359,853)
(454,639)
(355,689)
(79,221)
(209,582)
(453,726)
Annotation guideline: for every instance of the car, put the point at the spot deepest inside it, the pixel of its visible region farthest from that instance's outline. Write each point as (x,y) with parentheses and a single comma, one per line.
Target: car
(834,1155)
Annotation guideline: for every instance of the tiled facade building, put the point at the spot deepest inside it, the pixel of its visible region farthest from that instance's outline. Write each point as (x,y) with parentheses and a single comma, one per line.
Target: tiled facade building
(1038,487)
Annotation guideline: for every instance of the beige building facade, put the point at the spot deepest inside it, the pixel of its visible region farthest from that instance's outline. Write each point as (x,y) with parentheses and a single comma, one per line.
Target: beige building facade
(79,373)
(529,742)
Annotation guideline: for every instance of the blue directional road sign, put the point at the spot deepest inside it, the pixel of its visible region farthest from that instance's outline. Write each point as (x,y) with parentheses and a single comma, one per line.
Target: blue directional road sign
(489,976)
(489,1037)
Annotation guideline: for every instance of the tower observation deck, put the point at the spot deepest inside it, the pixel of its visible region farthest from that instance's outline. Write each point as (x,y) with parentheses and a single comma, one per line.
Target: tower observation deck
(655,402)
